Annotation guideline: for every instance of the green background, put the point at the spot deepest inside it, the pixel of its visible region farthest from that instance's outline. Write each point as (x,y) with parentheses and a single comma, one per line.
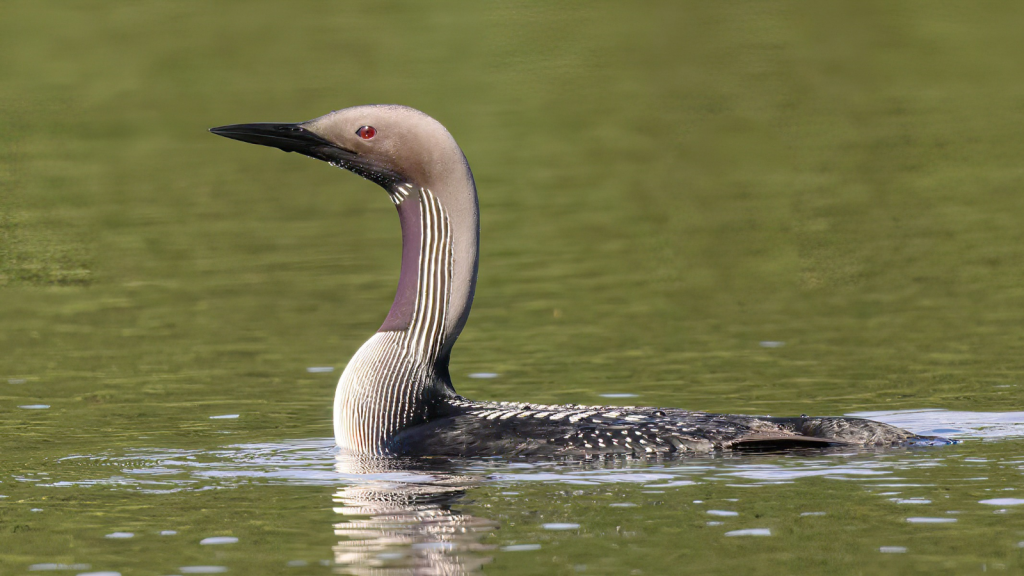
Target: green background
(663,186)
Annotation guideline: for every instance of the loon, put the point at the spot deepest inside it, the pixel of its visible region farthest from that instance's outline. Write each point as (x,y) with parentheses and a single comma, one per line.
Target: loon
(395,396)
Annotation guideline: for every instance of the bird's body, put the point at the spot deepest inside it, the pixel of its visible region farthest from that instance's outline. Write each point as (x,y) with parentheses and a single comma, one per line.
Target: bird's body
(513,429)
(396,396)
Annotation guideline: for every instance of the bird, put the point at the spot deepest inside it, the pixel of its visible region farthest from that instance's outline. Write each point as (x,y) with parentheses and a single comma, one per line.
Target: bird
(395,397)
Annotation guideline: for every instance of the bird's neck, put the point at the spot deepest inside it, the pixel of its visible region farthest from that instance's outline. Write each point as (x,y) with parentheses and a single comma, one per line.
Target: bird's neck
(438,274)
(399,377)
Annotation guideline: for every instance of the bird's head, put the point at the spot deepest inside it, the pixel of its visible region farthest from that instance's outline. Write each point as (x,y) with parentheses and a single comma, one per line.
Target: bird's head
(387,144)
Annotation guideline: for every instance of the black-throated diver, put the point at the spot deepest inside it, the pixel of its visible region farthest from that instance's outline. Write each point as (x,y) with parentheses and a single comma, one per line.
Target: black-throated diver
(396,395)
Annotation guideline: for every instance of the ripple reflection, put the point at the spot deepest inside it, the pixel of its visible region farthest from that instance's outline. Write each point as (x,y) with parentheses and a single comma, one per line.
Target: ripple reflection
(399,520)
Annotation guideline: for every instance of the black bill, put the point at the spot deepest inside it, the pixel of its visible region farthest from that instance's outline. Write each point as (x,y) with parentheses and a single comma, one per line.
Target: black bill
(287,137)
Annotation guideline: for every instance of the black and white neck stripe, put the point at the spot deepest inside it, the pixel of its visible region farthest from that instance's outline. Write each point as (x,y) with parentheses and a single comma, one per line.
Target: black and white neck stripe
(392,380)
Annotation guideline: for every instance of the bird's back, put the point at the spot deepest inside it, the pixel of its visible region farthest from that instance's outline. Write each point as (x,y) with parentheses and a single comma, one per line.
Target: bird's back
(511,429)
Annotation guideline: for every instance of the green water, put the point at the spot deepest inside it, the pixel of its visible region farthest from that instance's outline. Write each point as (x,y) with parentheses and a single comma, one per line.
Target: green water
(663,188)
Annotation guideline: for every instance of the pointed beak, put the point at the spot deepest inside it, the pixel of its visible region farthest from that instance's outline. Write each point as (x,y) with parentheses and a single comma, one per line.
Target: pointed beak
(287,137)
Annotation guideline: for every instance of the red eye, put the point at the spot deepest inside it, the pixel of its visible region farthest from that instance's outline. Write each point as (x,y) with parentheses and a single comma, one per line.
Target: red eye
(367,132)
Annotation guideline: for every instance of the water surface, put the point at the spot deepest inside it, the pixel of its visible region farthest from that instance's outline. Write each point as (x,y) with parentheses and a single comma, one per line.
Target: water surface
(753,207)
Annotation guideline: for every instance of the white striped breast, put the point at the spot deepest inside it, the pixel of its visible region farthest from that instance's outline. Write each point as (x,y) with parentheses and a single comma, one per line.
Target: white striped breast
(387,384)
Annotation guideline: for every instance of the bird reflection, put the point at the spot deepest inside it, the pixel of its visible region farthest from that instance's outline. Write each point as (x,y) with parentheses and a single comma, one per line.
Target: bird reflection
(399,520)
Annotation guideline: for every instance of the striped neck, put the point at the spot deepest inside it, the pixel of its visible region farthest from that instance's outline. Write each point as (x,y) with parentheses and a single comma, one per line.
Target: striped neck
(399,377)
(424,293)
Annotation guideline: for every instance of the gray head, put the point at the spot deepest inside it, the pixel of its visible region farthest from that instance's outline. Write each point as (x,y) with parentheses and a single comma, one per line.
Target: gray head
(388,144)
(398,148)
